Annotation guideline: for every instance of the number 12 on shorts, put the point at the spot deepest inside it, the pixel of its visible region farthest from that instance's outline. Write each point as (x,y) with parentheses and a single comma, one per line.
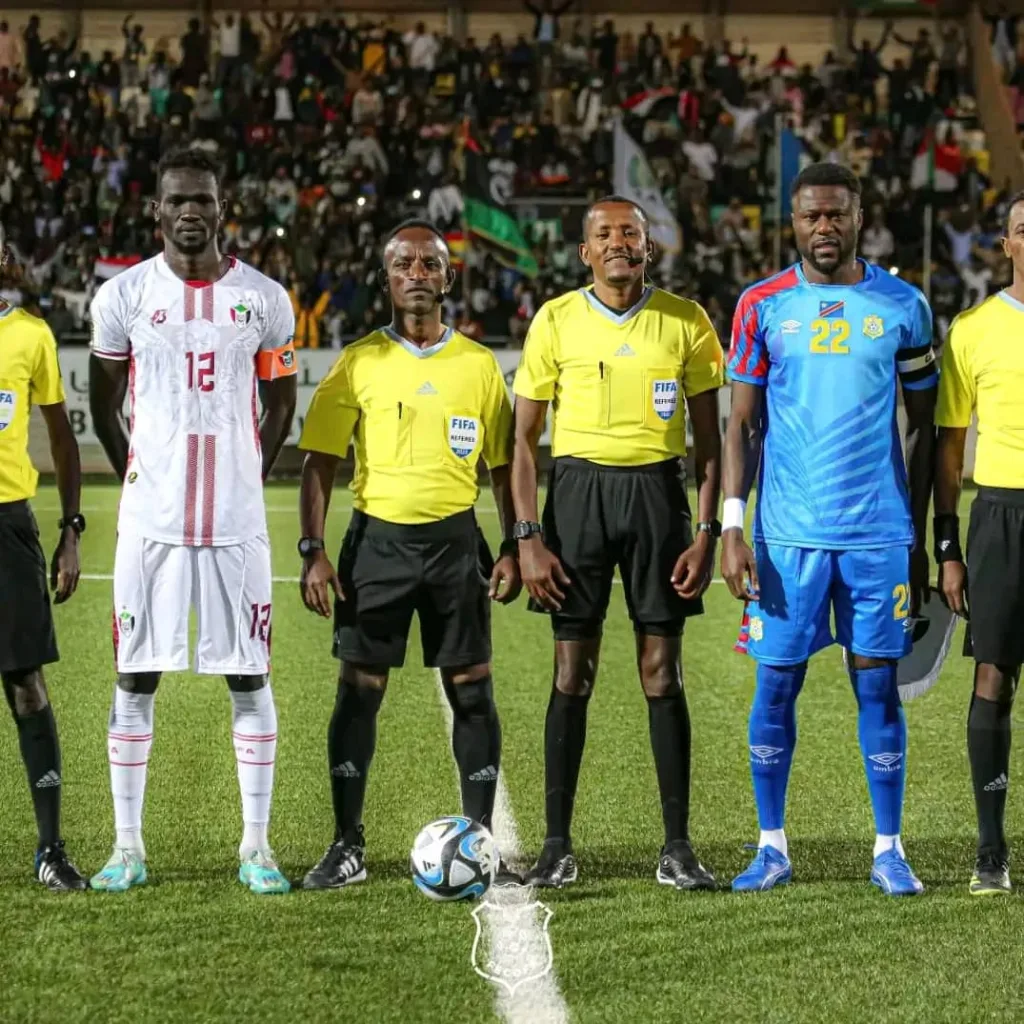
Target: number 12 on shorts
(259,625)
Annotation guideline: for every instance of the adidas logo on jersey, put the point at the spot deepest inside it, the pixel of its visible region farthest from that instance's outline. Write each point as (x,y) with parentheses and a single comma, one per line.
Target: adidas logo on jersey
(345,771)
(1000,782)
(488,774)
(426,389)
(51,778)
(625,350)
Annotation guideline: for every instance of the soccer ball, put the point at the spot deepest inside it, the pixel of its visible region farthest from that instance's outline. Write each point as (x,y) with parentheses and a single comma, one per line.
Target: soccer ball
(454,858)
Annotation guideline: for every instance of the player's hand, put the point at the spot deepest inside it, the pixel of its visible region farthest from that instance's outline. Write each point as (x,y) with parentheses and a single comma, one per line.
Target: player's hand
(543,574)
(64,568)
(318,579)
(506,582)
(739,567)
(952,584)
(920,589)
(692,573)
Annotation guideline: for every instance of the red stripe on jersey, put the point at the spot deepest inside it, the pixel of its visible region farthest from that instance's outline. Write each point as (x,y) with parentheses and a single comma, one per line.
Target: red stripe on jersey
(207,294)
(115,636)
(209,484)
(256,418)
(190,302)
(191,482)
(752,361)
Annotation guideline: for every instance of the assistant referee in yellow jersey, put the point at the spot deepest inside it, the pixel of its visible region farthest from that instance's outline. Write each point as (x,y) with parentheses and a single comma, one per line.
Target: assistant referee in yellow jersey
(423,405)
(983,375)
(30,375)
(620,362)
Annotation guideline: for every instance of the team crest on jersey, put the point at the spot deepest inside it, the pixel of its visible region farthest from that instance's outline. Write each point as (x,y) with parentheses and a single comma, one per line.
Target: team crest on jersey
(159,317)
(126,623)
(665,396)
(829,308)
(873,326)
(241,315)
(463,433)
(288,359)
(8,403)
(756,628)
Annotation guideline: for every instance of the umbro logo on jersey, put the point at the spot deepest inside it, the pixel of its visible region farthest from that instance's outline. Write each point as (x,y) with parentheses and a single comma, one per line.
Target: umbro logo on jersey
(426,389)
(50,779)
(345,771)
(488,774)
(791,326)
(625,350)
(886,762)
(159,317)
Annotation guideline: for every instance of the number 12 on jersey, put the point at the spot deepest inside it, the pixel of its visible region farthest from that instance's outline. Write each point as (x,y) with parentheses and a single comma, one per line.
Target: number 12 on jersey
(199,370)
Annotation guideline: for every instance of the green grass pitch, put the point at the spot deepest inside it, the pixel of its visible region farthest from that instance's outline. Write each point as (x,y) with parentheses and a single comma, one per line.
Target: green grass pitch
(193,946)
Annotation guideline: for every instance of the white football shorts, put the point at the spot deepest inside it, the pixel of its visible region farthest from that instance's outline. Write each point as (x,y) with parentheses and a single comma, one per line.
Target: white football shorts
(155,587)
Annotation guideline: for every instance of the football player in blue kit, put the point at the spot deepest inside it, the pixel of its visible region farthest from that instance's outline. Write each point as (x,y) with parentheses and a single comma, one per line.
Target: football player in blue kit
(840,521)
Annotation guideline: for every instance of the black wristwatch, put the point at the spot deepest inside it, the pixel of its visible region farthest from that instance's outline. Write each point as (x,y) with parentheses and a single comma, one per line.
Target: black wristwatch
(76,522)
(714,527)
(524,530)
(310,546)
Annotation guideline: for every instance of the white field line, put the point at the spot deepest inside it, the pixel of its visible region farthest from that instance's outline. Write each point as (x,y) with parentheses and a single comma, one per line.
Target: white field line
(285,579)
(271,509)
(517,935)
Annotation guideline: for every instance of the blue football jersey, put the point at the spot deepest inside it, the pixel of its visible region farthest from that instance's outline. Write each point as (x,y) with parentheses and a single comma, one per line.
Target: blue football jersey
(832,471)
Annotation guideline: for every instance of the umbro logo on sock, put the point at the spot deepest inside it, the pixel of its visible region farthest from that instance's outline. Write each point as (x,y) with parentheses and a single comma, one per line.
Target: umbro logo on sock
(345,771)
(51,778)
(426,389)
(999,782)
(890,762)
(488,774)
(624,350)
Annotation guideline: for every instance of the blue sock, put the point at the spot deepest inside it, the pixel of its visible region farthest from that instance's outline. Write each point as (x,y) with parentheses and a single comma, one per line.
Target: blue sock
(772,735)
(883,742)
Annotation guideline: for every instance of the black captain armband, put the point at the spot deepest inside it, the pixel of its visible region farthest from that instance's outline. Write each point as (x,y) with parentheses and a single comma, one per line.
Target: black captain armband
(946,529)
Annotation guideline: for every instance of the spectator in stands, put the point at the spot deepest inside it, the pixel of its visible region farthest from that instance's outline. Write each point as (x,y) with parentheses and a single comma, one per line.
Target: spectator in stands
(877,244)
(10,50)
(134,51)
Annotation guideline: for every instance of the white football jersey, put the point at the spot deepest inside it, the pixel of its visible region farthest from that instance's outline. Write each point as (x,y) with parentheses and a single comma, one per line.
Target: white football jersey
(196,351)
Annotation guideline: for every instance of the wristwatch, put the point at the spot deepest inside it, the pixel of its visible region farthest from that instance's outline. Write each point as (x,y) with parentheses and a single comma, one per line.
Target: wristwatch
(310,545)
(714,527)
(524,530)
(76,522)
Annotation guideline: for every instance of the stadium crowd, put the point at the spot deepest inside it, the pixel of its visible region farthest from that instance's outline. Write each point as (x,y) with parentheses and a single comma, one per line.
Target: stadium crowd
(331,132)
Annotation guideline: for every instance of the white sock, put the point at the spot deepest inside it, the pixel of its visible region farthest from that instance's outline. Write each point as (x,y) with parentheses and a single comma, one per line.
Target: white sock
(774,837)
(129,739)
(254,733)
(883,843)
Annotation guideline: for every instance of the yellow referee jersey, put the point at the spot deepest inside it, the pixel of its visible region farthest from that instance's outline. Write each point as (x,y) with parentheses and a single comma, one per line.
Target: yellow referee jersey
(983,372)
(618,381)
(29,375)
(421,420)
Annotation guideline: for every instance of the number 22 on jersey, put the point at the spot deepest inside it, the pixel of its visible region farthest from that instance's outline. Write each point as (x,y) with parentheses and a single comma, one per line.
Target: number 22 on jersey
(830,337)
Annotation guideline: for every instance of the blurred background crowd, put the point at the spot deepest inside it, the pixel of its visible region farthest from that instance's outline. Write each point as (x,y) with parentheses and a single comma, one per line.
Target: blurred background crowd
(331,129)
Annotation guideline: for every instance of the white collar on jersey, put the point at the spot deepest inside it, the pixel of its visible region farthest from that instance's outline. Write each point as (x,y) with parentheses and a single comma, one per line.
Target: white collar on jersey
(163,268)
(618,318)
(1011,301)
(419,353)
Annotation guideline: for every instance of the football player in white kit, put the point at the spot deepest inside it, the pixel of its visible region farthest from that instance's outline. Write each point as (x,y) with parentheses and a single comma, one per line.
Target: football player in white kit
(198,341)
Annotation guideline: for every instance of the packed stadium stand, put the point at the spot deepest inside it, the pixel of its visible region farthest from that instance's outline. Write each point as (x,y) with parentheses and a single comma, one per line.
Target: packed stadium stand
(499,127)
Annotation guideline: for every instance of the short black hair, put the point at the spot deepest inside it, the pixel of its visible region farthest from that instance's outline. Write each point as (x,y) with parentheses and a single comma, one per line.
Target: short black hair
(415,222)
(826,174)
(614,197)
(187,158)
(1017,197)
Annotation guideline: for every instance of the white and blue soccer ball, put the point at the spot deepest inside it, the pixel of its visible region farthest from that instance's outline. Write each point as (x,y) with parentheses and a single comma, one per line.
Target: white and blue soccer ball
(454,858)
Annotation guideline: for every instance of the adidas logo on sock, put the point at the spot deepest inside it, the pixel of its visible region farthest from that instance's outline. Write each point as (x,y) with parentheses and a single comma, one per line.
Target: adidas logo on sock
(625,350)
(488,774)
(345,771)
(999,782)
(51,778)
(426,389)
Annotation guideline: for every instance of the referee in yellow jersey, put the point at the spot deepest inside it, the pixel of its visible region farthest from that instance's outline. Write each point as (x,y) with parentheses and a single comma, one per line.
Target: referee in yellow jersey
(422,404)
(620,362)
(30,375)
(983,374)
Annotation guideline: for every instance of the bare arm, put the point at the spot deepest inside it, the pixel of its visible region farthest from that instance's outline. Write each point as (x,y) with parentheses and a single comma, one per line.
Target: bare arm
(318,471)
(278,399)
(920,451)
(949,469)
(68,468)
(501,488)
(707,452)
(742,440)
(530,415)
(108,385)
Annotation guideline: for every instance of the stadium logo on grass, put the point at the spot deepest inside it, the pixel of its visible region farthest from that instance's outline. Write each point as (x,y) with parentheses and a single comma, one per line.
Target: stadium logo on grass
(509,948)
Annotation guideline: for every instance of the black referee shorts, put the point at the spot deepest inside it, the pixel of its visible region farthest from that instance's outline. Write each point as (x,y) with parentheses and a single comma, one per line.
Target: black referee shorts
(995,577)
(27,637)
(439,570)
(634,517)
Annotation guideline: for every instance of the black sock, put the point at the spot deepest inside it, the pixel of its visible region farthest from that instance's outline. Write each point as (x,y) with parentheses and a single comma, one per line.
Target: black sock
(40,750)
(670,740)
(988,747)
(565,734)
(351,738)
(476,743)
